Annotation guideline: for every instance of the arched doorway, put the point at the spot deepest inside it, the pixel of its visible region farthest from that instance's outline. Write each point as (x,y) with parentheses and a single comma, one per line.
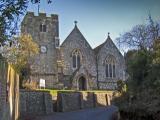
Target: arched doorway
(82,83)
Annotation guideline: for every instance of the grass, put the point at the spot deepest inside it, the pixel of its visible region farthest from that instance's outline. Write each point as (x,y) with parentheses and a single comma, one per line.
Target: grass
(54,92)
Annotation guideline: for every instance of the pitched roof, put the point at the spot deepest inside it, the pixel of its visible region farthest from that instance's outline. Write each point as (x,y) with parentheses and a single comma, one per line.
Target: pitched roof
(78,34)
(98,48)
(72,33)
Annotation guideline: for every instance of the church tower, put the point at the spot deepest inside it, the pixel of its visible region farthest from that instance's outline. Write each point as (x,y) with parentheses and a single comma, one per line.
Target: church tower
(45,32)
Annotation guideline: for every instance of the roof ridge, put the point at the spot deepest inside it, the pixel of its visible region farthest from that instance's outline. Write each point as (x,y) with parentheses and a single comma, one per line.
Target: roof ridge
(76,30)
(97,49)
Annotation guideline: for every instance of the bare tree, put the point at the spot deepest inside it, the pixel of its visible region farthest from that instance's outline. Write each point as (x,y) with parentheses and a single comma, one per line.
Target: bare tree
(140,36)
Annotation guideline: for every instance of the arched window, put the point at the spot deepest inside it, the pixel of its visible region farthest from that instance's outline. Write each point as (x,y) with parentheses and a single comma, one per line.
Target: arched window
(42,28)
(76,59)
(110,64)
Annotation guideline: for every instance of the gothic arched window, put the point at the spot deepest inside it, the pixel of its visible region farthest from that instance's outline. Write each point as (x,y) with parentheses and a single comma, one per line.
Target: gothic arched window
(42,28)
(110,67)
(76,58)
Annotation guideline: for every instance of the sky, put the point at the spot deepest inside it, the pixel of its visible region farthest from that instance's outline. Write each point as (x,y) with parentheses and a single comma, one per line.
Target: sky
(98,17)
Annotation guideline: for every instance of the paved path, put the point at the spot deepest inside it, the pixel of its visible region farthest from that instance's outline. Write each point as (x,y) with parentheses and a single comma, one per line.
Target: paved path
(87,114)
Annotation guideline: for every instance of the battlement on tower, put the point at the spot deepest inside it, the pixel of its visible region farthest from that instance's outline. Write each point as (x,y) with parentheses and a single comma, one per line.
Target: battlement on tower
(42,15)
(30,14)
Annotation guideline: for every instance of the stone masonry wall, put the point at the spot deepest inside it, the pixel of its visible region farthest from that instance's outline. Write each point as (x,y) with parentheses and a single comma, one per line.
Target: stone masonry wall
(41,103)
(87,100)
(68,101)
(45,63)
(71,101)
(108,49)
(51,80)
(76,41)
(35,103)
(3,80)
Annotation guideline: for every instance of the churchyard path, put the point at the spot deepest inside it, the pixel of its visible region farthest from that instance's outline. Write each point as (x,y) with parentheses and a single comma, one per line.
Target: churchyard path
(105,113)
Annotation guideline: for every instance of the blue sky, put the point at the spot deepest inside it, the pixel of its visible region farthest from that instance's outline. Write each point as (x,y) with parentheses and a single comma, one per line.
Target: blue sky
(98,17)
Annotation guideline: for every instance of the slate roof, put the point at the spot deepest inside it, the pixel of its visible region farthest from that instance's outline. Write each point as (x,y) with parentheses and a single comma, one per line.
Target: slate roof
(98,48)
(77,32)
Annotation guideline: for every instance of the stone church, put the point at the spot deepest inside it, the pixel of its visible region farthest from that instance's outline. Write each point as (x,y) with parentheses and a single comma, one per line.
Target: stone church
(74,64)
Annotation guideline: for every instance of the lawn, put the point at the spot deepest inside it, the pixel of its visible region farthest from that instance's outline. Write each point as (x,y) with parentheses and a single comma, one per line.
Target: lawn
(54,92)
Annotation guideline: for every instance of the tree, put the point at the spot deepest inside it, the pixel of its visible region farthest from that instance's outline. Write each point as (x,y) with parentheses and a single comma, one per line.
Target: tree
(140,36)
(138,65)
(21,52)
(143,67)
(156,51)
(153,79)
(10,12)
(121,86)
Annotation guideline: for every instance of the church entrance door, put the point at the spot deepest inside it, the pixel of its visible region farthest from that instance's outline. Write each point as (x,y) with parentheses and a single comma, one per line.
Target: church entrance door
(82,83)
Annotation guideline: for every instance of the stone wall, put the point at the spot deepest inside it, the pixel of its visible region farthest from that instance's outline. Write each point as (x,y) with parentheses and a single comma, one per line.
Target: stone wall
(44,65)
(108,49)
(50,80)
(3,80)
(76,41)
(70,101)
(35,103)
(87,100)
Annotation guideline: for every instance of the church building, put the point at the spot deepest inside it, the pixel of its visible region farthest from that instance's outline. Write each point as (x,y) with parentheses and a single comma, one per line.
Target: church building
(74,64)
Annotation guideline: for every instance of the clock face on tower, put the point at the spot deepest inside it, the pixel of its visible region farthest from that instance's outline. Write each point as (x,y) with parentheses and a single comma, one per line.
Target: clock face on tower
(43,49)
